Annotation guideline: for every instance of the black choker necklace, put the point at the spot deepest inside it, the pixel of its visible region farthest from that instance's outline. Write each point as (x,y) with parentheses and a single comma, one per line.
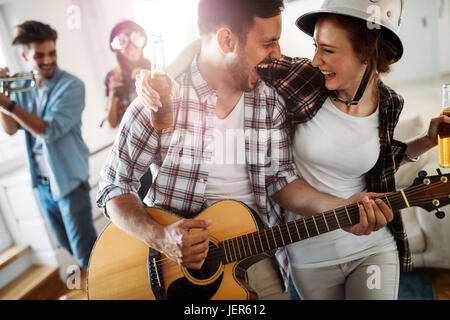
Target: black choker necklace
(346,102)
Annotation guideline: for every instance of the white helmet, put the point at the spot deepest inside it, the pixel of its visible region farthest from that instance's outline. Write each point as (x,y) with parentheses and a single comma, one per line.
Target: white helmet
(384,14)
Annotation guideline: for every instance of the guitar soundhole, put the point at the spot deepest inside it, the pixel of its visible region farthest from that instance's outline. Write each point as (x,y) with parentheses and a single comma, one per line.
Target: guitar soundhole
(182,288)
(210,266)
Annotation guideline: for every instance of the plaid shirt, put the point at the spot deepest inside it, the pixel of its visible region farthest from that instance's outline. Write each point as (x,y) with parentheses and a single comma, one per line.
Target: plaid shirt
(303,87)
(181,155)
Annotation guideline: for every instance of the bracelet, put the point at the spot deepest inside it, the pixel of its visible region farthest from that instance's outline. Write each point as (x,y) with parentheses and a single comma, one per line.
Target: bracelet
(11,106)
(408,159)
(8,110)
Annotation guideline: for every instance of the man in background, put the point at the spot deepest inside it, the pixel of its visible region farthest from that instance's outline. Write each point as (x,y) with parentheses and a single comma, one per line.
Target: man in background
(50,114)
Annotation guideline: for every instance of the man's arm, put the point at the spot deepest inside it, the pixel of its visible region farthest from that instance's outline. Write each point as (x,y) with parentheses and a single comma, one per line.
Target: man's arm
(28,121)
(9,124)
(19,116)
(69,104)
(300,84)
(136,145)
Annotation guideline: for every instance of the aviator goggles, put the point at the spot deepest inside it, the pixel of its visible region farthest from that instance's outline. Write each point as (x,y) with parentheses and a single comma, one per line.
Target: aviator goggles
(122,40)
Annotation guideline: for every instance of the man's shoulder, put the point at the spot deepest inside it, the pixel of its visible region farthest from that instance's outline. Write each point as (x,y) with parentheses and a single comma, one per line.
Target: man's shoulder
(294,62)
(267,97)
(68,77)
(184,77)
(269,92)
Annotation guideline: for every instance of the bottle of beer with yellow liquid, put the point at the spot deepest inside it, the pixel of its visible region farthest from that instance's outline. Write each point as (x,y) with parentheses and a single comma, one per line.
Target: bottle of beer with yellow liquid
(161,83)
(444,130)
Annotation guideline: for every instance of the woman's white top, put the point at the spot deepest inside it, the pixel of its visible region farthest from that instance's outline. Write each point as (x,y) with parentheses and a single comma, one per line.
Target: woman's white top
(333,152)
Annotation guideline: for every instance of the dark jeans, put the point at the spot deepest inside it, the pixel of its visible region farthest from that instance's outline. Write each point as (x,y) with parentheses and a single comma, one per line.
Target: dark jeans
(70,219)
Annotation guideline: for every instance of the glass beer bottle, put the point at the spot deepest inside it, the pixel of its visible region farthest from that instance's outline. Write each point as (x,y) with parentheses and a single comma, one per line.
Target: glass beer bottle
(444,130)
(161,83)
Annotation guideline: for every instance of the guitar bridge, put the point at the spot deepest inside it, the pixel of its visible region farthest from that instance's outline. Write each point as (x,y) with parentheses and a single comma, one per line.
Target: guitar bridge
(155,274)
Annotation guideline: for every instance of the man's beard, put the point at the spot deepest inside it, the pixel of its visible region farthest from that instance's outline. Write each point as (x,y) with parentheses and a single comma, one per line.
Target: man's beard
(47,75)
(239,71)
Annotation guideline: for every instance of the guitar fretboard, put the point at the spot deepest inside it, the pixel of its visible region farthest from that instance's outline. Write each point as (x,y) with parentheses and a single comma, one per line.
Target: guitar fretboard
(281,235)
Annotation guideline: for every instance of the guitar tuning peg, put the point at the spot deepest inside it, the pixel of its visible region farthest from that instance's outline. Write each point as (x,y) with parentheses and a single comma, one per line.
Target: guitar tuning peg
(439,171)
(422,174)
(439,214)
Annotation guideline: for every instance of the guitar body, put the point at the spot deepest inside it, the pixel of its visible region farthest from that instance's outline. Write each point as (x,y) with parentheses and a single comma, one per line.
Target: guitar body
(119,264)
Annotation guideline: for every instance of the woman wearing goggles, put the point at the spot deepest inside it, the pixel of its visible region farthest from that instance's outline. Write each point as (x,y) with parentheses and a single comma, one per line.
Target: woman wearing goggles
(122,40)
(127,41)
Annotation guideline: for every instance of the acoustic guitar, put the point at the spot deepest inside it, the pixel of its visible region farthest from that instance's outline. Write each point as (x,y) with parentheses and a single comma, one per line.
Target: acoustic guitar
(122,267)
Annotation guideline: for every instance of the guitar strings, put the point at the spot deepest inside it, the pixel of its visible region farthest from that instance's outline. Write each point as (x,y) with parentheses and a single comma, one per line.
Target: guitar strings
(219,249)
(216,252)
(236,255)
(320,222)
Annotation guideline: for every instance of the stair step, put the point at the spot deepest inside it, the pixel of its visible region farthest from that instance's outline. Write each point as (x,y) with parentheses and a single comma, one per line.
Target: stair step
(12,253)
(37,283)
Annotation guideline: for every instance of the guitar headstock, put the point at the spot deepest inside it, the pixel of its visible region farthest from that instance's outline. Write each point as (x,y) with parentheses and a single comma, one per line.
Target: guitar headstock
(430,192)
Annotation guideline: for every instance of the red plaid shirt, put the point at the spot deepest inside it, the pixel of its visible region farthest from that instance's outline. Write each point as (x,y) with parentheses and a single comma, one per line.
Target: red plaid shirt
(303,87)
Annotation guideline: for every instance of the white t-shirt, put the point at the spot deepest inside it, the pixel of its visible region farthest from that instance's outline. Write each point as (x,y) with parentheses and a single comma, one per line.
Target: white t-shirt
(333,152)
(229,177)
(38,152)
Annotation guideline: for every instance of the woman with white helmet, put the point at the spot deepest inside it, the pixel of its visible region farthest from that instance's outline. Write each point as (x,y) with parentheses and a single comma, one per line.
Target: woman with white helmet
(343,143)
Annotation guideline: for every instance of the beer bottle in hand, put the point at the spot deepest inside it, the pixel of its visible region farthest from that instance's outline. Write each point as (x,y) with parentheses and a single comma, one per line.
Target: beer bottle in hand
(161,83)
(444,130)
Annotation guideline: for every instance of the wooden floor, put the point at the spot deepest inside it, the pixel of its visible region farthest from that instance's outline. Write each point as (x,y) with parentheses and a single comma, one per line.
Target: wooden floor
(441,283)
(68,294)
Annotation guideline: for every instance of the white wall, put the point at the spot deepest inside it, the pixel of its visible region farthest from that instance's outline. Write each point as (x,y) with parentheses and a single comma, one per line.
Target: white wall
(294,42)
(443,36)
(419,35)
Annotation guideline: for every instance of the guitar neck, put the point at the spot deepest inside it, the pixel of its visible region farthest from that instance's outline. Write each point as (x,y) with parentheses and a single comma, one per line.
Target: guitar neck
(281,235)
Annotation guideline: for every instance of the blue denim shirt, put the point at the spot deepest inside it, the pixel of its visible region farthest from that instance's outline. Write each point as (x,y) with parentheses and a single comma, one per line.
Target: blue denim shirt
(66,153)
